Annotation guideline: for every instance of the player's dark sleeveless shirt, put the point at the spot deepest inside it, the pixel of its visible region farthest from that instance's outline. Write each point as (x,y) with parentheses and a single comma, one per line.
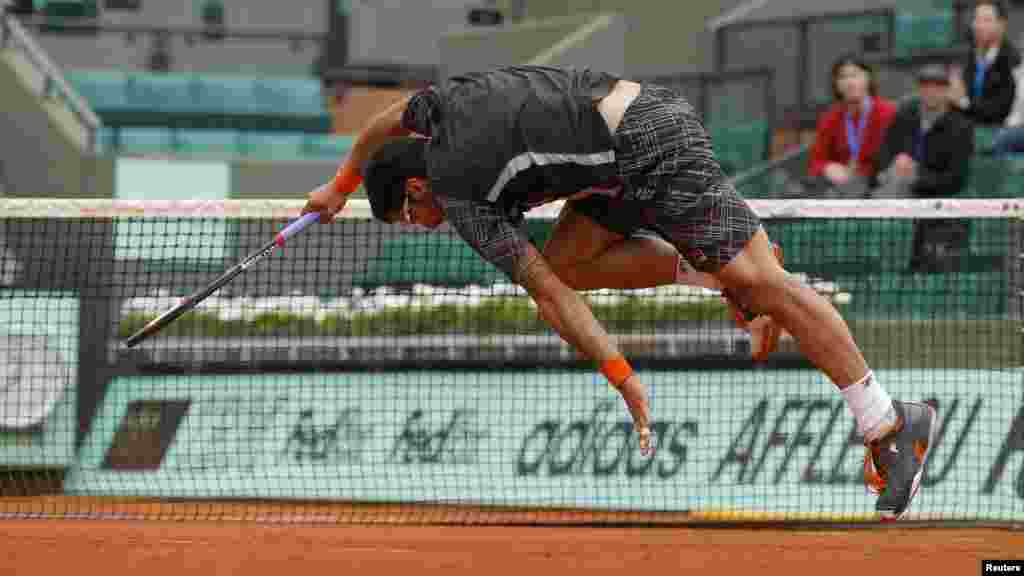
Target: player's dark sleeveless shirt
(509,139)
(519,135)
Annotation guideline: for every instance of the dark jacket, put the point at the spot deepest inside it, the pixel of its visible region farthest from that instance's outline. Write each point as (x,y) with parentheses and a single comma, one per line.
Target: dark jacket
(943,168)
(998,89)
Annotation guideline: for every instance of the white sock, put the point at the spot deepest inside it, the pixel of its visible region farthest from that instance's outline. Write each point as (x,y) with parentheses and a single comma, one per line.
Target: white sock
(871,406)
(685,274)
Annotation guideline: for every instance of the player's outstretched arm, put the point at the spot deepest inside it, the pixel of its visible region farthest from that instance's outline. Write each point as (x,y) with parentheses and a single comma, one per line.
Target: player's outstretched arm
(566,312)
(330,198)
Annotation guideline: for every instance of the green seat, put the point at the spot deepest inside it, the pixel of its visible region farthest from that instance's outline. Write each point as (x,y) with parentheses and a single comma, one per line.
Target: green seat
(209,142)
(991,243)
(138,140)
(61,9)
(987,177)
(434,259)
(896,296)
(829,247)
(1013,181)
(281,146)
(103,89)
(855,26)
(273,145)
(738,147)
(161,93)
(327,146)
(984,138)
(188,101)
(924,30)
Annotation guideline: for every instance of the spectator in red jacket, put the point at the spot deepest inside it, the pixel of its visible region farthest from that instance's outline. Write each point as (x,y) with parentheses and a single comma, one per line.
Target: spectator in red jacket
(850,132)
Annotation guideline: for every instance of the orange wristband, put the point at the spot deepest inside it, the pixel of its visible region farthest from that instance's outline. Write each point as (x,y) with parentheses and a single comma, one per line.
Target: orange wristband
(617,371)
(347,179)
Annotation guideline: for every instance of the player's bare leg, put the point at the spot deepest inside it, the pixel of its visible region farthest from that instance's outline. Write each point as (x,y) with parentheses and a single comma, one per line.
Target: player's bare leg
(899,435)
(588,256)
(755,278)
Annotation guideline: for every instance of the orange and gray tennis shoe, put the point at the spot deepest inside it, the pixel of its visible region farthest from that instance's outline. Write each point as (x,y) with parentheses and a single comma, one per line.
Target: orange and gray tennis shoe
(895,463)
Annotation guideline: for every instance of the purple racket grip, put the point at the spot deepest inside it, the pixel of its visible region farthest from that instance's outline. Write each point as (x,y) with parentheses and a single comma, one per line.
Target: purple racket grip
(296,227)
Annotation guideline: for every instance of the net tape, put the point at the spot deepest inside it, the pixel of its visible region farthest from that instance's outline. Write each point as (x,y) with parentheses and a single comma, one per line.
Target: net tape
(358,208)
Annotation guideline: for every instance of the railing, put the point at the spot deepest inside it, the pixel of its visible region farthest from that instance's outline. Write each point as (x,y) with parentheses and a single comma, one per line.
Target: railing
(14,36)
(169,48)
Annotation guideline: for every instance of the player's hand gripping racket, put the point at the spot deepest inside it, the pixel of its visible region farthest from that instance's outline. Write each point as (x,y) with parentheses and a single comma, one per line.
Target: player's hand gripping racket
(161,321)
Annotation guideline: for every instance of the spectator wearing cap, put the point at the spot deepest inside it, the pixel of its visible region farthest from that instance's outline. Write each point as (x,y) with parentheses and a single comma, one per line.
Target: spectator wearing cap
(926,154)
(927,150)
(984,87)
(850,132)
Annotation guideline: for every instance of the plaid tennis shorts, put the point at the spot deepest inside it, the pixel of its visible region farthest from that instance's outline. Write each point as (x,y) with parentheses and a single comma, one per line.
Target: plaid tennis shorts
(675,187)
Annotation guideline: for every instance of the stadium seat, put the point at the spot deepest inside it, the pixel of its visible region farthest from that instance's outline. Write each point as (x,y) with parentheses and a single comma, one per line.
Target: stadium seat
(101,88)
(738,147)
(924,29)
(437,259)
(273,145)
(987,177)
(925,296)
(163,92)
(208,142)
(327,146)
(60,9)
(984,138)
(204,102)
(1012,169)
(138,140)
(220,143)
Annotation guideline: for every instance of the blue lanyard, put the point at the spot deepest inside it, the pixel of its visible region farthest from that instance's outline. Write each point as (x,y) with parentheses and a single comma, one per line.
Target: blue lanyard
(918,153)
(854,138)
(981,68)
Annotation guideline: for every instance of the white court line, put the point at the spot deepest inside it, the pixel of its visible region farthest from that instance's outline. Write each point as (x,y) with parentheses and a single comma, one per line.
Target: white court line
(376,550)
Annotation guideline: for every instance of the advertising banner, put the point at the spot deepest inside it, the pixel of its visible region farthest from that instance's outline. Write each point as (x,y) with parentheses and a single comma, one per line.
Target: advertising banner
(780,442)
(38,371)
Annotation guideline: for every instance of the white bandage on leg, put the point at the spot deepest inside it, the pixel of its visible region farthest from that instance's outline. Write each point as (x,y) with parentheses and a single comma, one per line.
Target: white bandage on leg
(871,407)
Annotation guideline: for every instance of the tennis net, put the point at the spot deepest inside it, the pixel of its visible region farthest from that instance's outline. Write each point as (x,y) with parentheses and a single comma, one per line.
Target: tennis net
(383,373)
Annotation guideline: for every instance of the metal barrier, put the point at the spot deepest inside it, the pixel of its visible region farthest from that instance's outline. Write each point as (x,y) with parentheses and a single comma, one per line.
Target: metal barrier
(54,87)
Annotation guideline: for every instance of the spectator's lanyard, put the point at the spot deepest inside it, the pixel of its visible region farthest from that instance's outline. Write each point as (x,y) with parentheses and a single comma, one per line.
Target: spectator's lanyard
(980,69)
(855,137)
(919,144)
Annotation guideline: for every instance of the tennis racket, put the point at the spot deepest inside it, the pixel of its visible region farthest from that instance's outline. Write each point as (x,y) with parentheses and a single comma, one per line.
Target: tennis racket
(186,304)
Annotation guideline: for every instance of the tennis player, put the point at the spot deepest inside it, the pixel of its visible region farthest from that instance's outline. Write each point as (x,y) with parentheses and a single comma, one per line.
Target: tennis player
(481,149)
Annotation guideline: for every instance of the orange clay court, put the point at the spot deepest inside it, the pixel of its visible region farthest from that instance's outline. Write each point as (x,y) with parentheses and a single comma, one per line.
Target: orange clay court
(250,545)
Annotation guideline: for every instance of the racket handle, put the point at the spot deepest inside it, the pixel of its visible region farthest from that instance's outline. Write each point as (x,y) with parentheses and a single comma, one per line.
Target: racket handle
(296,227)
